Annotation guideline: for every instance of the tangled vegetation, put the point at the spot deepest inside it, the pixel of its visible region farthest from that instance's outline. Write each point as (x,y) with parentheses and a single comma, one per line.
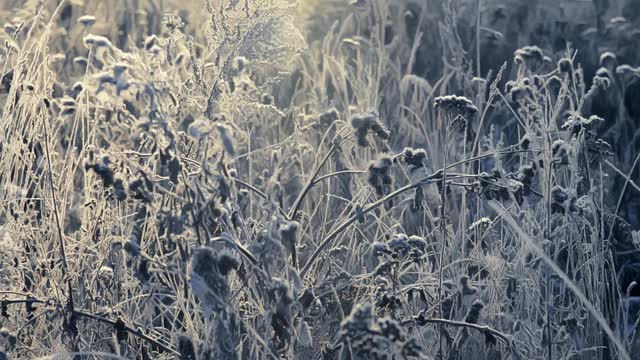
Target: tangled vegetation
(374,179)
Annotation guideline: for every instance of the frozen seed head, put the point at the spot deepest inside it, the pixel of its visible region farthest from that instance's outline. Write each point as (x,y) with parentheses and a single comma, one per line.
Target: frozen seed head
(464,280)
(564,65)
(627,69)
(208,276)
(380,249)
(80,61)
(455,105)
(559,195)
(359,321)
(417,242)
(288,233)
(227,262)
(380,167)
(529,55)
(399,245)
(481,225)
(155,50)
(413,349)
(328,117)
(365,123)
(603,72)
(105,273)
(68,111)
(602,78)
(525,142)
(391,329)
(517,92)
(608,59)
(96,41)
(577,123)
(87,20)
(10,28)
(414,157)
(239,64)
(150,41)
(379,176)
(560,152)
(266,99)
(56,58)
(473,315)
(131,247)
(103,170)
(119,69)
(185,348)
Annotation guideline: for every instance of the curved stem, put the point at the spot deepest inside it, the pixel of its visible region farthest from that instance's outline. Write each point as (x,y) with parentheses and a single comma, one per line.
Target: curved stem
(310,183)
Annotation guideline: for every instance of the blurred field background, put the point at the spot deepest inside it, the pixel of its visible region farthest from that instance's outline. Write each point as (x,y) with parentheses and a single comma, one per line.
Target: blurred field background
(320,179)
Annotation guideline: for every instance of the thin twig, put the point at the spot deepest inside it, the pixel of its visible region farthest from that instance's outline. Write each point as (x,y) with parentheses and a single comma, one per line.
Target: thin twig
(128,329)
(63,256)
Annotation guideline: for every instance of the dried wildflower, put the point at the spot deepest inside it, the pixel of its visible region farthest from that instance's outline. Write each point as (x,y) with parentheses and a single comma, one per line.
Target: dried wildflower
(627,69)
(525,175)
(282,316)
(288,234)
(361,320)
(379,177)
(76,89)
(239,65)
(467,290)
(530,56)
(227,262)
(96,41)
(525,142)
(87,20)
(414,157)
(577,123)
(599,148)
(380,249)
(391,329)
(608,60)
(155,50)
(602,79)
(10,28)
(150,42)
(68,111)
(411,348)
(473,315)
(560,152)
(363,124)
(399,245)
(9,336)
(455,105)
(518,92)
(565,65)
(266,99)
(81,61)
(185,348)
(208,277)
(132,248)
(558,197)
(119,191)
(328,117)
(103,170)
